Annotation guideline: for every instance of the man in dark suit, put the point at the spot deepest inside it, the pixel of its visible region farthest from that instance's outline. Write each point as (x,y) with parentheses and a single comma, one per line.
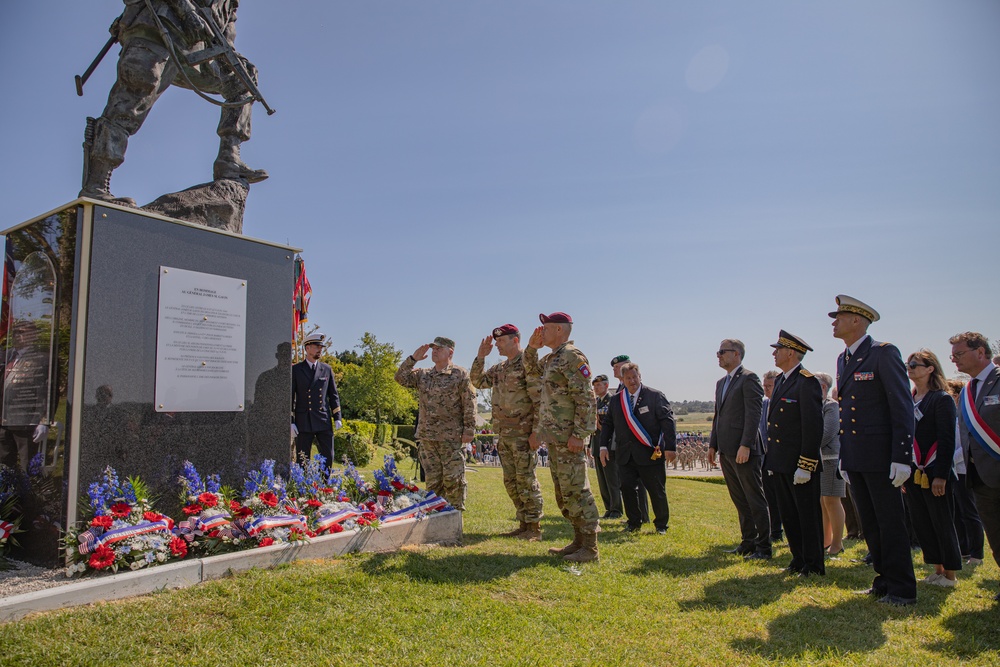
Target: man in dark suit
(876,444)
(642,422)
(979,416)
(736,438)
(315,402)
(640,491)
(794,435)
(770,495)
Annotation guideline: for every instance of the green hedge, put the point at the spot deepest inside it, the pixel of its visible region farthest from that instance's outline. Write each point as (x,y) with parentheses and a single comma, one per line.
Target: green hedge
(385,434)
(356,440)
(483,438)
(407,431)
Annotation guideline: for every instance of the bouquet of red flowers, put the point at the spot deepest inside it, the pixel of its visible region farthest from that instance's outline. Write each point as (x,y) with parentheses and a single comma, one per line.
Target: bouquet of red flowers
(123,530)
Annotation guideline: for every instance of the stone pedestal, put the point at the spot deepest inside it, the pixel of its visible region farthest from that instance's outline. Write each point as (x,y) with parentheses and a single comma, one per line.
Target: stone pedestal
(106,264)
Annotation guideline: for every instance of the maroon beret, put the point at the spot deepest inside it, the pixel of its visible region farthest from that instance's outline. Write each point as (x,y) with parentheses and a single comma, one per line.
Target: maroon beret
(504,330)
(555,318)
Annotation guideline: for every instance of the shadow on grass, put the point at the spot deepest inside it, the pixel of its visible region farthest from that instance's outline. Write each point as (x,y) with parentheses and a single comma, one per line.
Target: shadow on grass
(458,568)
(852,626)
(818,630)
(751,592)
(972,632)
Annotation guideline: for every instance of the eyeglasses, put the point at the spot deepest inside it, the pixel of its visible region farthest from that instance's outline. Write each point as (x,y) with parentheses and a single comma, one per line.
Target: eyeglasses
(912,364)
(958,355)
(722,352)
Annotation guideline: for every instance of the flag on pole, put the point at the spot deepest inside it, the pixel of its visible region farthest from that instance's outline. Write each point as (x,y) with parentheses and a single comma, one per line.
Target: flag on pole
(301,297)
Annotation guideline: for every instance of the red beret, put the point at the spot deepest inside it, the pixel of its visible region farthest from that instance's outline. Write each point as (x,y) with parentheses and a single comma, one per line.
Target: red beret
(504,330)
(556,318)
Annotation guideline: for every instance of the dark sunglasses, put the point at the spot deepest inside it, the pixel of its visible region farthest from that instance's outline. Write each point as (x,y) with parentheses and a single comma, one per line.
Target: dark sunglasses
(912,364)
(722,352)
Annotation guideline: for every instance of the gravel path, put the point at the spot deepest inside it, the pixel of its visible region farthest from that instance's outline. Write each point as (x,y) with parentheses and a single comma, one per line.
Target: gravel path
(24,578)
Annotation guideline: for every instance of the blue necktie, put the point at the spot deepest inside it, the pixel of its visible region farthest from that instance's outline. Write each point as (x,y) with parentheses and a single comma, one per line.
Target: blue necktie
(725,387)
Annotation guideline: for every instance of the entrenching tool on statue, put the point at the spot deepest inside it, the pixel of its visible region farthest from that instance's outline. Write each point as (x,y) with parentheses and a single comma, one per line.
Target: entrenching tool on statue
(80,80)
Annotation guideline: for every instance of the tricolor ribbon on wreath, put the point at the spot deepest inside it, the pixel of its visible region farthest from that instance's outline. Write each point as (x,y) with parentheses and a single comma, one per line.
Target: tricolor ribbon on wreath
(980,431)
(431,503)
(91,539)
(271,522)
(325,522)
(6,529)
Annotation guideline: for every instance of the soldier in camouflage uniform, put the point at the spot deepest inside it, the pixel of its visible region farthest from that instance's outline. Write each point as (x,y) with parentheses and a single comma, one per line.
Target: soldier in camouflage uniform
(447,418)
(514,406)
(567,415)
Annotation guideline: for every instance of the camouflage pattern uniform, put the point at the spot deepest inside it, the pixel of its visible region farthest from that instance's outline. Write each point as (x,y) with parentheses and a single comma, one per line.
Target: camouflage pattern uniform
(447,413)
(567,407)
(514,406)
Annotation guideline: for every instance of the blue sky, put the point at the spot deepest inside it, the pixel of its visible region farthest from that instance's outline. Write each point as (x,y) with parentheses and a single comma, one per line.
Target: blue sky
(669,173)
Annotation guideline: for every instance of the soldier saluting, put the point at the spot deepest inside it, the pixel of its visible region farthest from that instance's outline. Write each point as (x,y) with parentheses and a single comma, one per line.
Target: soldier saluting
(514,405)
(566,418)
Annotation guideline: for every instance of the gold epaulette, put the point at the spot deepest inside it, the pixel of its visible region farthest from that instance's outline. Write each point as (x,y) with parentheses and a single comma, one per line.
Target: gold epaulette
(809,465)
(884,344)
(805,373)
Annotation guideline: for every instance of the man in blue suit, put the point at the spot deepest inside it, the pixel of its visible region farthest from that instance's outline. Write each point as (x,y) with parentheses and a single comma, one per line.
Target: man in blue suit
(315,402)
(876,443)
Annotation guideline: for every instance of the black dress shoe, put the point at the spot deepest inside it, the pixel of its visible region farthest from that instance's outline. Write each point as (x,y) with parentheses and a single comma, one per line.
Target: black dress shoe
(662,531)
(777,537)
(632,529)
(758,555)
(613,515)
(897,601)
(740,551)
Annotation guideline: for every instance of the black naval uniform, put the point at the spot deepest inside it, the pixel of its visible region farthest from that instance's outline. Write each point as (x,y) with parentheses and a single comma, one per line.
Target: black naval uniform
(607,476)
(315,404)
(876,429)
(794,435)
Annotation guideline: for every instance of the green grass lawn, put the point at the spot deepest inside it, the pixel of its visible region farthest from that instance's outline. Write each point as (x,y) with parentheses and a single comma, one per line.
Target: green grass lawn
(651,600)
(695,422)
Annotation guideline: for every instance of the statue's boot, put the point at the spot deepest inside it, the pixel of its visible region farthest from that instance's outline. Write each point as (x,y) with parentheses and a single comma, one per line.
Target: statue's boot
(229,165)
(98,186)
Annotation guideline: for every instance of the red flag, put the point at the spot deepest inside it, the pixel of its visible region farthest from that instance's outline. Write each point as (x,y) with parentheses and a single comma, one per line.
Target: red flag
(301,297)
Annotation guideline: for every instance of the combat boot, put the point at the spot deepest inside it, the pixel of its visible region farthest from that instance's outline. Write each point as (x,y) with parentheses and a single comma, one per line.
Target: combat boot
(533,532)
(98,185)
(228,164)
(570,548)
(587,551)
(516,532)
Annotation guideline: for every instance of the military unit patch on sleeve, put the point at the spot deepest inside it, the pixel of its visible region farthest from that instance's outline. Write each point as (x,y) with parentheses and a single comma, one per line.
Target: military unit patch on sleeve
(585,370)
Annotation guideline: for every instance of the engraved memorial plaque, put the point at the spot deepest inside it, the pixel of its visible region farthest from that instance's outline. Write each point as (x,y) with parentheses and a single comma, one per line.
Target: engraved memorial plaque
(28,356)
(200,342)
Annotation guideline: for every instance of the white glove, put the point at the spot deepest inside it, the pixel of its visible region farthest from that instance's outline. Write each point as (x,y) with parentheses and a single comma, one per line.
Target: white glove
(801,476)
(337,424)
(41,432)
(899,473)
(295,429)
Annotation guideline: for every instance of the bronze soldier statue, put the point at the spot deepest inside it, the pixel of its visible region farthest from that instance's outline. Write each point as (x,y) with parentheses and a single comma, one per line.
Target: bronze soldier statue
(187,43)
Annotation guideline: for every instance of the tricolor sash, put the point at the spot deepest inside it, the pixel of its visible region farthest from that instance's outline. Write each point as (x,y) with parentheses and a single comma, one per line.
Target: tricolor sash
(980,431)
(431,503)
(90,539)
(633,424)
(920,477)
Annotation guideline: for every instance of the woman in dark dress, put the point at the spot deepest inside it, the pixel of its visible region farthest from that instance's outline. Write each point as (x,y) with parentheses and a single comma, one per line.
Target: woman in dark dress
(929,491)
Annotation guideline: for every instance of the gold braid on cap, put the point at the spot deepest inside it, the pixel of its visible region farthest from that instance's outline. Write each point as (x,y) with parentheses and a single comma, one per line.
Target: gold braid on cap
(788,342)
(809,465)
(857,310)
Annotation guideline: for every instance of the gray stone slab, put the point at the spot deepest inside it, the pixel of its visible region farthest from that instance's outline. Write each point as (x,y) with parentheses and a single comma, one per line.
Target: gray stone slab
(115,587)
